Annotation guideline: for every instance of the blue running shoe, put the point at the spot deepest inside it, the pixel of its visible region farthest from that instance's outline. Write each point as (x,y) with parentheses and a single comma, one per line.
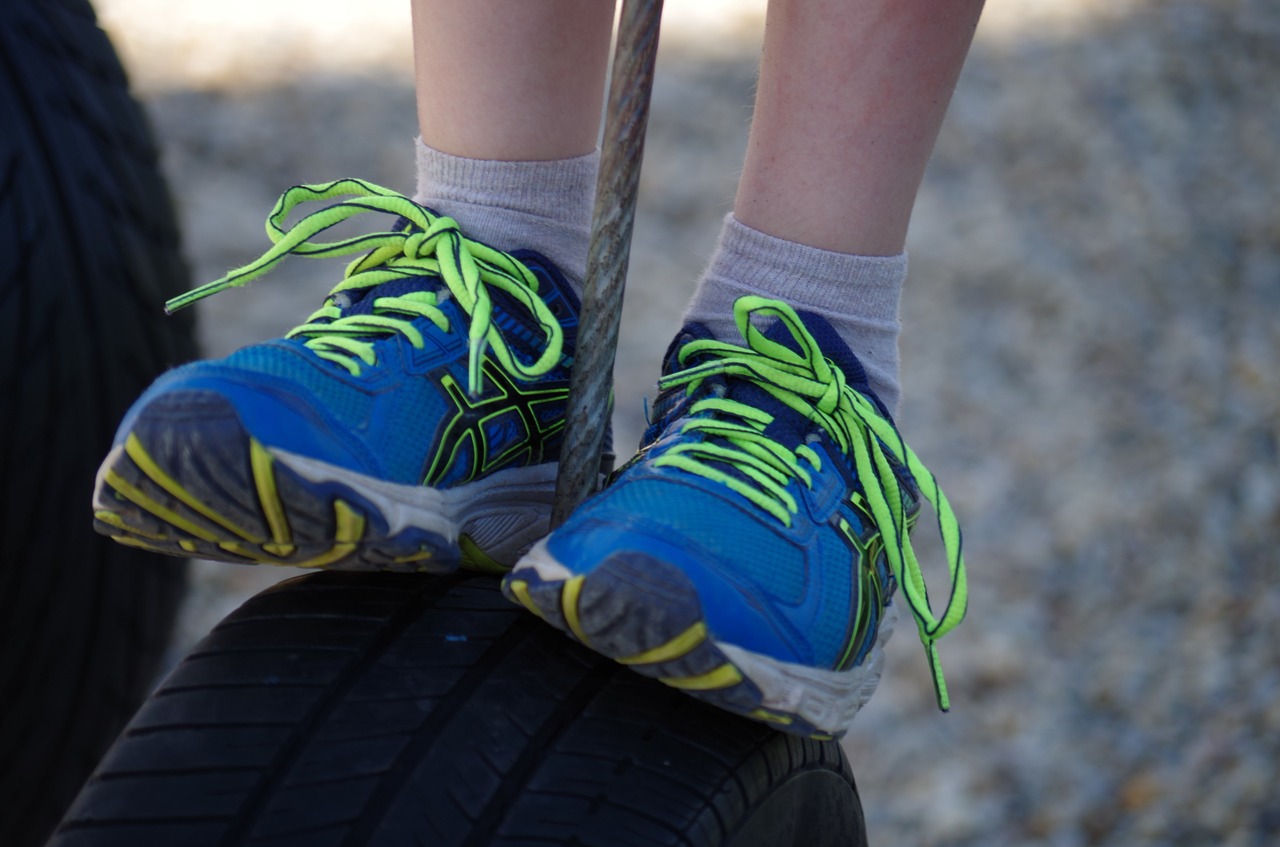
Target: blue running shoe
(750,552)
(413,423)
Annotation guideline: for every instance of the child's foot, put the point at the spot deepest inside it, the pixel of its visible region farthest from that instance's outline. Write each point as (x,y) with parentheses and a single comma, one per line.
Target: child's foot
(413,422)
(750,551)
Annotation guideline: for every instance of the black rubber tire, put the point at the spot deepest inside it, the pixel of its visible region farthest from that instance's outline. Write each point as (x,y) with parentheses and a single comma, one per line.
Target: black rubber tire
(380,709)
(88,253)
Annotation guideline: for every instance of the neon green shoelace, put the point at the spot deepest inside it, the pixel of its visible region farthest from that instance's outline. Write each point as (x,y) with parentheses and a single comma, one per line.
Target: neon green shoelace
(427,245)
(808,383)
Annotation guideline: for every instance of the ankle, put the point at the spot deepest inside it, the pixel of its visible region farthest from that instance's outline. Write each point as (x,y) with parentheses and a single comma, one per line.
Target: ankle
(858,295)
(542,206)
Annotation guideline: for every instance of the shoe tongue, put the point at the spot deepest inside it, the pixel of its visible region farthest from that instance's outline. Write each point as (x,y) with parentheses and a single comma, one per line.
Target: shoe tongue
(689,332)
(360,301)
(787,424)
(829,342)
(835,349)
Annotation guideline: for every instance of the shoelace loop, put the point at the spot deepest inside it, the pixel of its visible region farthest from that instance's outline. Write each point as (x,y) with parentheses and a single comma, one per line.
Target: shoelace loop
(425,244)
(807,382)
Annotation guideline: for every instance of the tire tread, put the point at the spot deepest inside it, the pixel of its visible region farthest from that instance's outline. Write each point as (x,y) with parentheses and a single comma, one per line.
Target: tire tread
(448,717)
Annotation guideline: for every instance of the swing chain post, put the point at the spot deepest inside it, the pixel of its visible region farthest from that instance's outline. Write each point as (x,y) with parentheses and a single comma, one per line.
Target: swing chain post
(590,388)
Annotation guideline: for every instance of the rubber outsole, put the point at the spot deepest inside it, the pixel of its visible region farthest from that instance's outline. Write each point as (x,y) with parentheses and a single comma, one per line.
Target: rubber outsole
(190,480)
(645,613)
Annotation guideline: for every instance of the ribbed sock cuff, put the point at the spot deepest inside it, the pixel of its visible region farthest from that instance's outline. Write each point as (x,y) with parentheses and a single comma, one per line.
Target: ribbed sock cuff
(542,206)
(858,295)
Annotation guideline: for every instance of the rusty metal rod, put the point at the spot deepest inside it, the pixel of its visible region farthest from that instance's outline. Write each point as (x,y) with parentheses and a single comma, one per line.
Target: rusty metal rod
(626,116)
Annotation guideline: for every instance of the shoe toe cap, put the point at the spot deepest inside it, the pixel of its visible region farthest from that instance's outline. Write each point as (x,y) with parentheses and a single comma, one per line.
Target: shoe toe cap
(220,403)
(649,571)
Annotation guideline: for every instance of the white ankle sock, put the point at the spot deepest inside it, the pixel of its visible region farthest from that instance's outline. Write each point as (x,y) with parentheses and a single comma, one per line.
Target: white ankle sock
(858,295)
(542,206)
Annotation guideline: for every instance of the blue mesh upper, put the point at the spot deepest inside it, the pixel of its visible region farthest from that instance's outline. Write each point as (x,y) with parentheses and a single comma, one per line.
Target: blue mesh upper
(788,592)
(394,418)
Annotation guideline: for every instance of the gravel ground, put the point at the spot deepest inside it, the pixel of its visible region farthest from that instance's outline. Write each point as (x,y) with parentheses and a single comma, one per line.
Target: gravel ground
(1089,363)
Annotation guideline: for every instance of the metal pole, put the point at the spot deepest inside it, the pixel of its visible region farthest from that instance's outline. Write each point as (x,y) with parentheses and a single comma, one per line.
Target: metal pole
(587,415)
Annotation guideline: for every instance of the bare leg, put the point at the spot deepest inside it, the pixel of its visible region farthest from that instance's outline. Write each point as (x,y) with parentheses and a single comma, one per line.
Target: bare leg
(510,94)
(515,81)
(849,105)
(850,102)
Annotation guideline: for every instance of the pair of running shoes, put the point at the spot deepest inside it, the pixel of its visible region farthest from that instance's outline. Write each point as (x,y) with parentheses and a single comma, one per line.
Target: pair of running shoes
(752,553)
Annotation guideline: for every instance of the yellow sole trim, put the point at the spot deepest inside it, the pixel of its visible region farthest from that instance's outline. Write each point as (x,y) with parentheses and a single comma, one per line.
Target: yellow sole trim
(722,677)
(238,549)
(772,717)
(569,596)
(673,649)
(134,450)
(420,556)
(520,588)
(347,534)
(473,558)
(138,498)
(140,543)
(114,521)
(264,479)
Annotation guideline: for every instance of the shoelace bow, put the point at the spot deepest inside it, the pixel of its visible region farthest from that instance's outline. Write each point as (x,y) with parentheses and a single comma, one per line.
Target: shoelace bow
(427,244)
(808,383)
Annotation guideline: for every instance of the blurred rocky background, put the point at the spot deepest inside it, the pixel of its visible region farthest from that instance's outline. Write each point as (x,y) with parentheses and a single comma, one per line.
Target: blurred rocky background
(1091,363)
